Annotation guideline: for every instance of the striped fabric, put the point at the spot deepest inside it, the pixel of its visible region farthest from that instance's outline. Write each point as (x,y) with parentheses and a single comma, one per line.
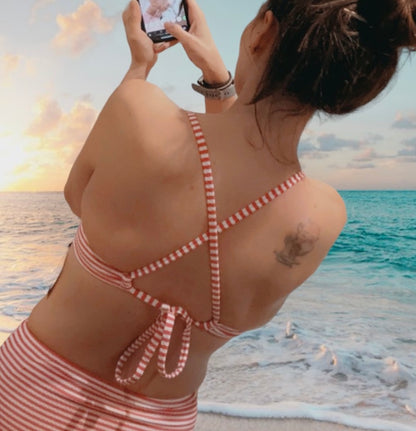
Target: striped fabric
(41,391)
(156,339)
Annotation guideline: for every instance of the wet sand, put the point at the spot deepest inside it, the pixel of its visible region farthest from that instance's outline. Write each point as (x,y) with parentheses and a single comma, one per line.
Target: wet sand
(216,422)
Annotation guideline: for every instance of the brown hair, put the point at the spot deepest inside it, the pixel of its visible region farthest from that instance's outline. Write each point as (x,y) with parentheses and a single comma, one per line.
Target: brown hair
(336,55)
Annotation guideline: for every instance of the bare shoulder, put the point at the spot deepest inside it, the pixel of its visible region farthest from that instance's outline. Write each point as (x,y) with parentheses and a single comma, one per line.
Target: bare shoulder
(330,192)
(329,203)
(139,121)
(139,103)
(313,219)
(319,223)
(139,126)
(142,94)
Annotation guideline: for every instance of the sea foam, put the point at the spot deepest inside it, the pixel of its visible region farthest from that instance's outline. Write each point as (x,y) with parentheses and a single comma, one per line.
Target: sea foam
(342,348)
(298,410)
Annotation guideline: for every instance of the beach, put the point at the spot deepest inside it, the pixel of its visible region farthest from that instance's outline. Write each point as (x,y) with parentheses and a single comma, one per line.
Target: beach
(340,355)
(290,416)
(211,422)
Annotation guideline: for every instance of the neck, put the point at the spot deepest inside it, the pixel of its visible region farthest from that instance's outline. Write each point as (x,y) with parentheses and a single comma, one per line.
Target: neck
(276,126)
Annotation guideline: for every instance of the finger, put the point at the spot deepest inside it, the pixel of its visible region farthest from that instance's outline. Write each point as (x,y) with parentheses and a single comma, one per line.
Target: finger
(194,11)
(177,32)
(160,47)
(132,16)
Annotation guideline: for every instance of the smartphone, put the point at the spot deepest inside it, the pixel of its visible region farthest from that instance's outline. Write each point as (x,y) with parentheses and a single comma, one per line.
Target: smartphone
(156,12)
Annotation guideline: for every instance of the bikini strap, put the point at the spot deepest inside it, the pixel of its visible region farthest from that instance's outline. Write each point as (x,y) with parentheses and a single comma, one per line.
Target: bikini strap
(224,225)
(259,203)
(156,339)
(213,242)
(158,336)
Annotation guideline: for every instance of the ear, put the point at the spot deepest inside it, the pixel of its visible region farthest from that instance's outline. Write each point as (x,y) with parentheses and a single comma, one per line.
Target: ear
(264,33)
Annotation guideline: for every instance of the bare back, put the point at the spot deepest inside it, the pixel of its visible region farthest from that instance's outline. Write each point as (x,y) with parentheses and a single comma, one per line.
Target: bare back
(137,186)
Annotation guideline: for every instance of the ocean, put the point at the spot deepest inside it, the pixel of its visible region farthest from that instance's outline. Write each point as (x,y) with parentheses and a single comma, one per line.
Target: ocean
(343,348)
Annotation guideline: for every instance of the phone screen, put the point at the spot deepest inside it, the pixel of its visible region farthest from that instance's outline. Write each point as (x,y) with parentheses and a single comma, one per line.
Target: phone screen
(156,12)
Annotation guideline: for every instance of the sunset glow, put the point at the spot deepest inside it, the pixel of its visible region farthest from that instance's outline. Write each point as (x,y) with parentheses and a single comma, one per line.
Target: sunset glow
(59,62)
(13,158)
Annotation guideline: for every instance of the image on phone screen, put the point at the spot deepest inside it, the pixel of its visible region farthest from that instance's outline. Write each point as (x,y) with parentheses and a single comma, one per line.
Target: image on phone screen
(156,12)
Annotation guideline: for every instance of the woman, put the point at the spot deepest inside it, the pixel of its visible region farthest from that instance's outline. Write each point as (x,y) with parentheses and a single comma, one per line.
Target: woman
(163,270)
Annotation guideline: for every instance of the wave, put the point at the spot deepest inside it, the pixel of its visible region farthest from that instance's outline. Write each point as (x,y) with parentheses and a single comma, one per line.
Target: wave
(298,410)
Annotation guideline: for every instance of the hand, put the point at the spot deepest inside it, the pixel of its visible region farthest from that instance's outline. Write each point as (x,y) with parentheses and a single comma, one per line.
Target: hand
(143,55)
(198,44)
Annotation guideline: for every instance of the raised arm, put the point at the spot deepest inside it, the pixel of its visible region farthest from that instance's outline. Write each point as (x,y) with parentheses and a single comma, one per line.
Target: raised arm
(143,50)
(202,51)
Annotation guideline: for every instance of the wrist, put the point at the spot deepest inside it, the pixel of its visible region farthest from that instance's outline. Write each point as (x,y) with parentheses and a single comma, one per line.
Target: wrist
(215,72)
(136,72)
(221,91)
(216,77)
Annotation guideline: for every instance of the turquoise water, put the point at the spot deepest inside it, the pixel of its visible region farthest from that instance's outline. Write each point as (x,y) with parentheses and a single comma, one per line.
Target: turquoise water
(344,343)
(343,347)
(380,237)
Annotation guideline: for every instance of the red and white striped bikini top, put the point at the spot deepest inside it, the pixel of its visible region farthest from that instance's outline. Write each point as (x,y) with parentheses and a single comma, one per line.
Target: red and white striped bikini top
(158,335)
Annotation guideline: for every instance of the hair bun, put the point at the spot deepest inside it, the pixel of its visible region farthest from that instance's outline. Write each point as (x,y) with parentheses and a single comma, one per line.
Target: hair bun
(388,23)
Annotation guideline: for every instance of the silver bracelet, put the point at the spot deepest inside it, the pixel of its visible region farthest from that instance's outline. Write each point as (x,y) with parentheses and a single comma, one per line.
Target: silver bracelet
(216,91)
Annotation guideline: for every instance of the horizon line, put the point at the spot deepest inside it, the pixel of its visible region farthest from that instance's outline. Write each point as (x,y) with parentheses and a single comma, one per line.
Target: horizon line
(339,190)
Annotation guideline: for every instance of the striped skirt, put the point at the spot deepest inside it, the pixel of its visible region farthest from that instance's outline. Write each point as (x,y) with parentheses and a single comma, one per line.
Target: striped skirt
(41,391)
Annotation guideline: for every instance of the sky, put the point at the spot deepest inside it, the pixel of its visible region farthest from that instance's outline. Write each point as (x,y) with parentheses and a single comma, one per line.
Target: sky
(60,60)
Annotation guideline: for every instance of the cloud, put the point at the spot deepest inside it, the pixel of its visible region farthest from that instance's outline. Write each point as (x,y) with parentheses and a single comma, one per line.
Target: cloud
(411,141)
(49,115)
(306,146)
(410,150)
(23,168)
(307,150)
(78,29)
(37,5)
(10,62)
(75,128)
(53,140)
(30,67)
(11,65)
(329,142)
(61,132)
(375,137)
(51,121)
(361,165)
(405,121)
(368,155)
